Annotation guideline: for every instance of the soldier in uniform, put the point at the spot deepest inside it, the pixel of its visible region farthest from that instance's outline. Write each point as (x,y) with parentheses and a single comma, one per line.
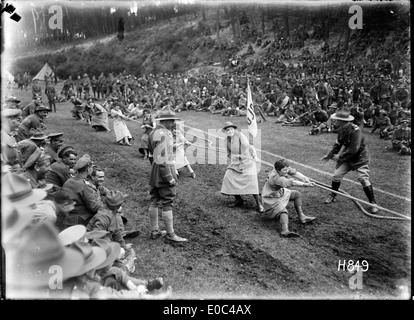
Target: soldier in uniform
(32,123)
(52,148)
(97,178)
(30,108)
(163,176)
(401,138)
(10,155)
(28,146)
(86,82)
(94,85)
(60,171)
(78,84)
(383,123)
(36,167)
(354,157)
(36,89)
(67,85)
(86,204)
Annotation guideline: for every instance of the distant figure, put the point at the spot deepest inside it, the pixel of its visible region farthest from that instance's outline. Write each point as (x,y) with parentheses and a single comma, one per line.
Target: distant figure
(121,29)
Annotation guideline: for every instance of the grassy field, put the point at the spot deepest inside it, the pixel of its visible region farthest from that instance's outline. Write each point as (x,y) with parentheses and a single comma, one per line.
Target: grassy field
(233,253)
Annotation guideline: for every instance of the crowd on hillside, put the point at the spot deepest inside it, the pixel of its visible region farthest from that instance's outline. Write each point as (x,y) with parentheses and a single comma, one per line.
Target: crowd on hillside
(378,97)
(63,231)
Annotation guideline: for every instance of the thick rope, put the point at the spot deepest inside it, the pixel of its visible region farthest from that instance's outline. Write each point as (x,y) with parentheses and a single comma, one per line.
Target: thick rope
(308,167)
(343,193)
(357,202)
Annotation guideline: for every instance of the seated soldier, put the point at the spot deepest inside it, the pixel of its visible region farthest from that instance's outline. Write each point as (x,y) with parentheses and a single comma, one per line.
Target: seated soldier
(86,204)
(319,120)
(27,146)
(270,108)
(401,138)
(288,116)
(107,219)
(36,167)
(233,111)
(217,105)
(383,123)
(60,171)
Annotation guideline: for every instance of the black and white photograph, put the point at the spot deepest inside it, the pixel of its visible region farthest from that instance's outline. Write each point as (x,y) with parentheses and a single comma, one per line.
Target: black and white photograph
(208,151)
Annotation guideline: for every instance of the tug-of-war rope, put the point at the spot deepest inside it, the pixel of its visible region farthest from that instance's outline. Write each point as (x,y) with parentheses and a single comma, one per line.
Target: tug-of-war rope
(319,184)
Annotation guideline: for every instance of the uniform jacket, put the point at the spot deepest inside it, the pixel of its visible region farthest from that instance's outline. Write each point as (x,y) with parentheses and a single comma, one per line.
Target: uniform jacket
(160,145)
(86,204)
(30,122)
(107,221)
(98,192)
(356,152)
(58,174)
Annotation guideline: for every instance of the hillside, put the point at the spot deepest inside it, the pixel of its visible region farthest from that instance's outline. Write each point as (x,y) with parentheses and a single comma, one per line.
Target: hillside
(182,43)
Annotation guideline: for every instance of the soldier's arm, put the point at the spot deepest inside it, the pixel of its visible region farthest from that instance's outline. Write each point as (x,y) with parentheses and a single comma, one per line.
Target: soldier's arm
(335,149)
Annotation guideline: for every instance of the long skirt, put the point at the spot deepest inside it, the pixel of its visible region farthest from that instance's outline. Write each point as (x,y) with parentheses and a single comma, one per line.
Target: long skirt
(121,130)
(100,121)
(241,178)
(273,206)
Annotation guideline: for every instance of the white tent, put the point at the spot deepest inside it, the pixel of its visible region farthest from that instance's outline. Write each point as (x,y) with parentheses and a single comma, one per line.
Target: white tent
(45,71)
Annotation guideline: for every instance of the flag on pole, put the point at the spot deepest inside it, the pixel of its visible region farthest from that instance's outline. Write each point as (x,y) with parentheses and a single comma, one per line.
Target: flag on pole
(251,116)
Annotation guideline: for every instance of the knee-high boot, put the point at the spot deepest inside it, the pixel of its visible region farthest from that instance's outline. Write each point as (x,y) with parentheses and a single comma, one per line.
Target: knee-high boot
(332,195)
(369,191)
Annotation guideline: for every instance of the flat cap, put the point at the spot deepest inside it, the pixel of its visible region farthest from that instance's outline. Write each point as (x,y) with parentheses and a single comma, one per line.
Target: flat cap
(64,150)
(55,136)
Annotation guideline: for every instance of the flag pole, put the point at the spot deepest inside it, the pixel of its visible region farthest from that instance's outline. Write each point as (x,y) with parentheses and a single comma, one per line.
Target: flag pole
(250,114)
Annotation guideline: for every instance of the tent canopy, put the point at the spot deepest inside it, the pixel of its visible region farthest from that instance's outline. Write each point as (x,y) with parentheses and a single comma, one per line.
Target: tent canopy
(45,71)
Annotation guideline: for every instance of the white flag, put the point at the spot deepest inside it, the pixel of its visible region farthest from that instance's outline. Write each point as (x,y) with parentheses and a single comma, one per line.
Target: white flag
(251,116)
